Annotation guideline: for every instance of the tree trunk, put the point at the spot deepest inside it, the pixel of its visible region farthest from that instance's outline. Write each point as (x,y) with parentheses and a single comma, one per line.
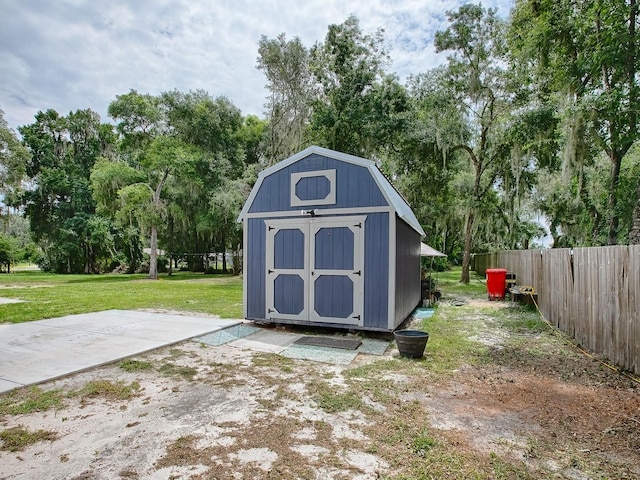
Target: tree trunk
(466,256)
(153,256)
(468,229)
(634,233)
(224,252)
(613,198)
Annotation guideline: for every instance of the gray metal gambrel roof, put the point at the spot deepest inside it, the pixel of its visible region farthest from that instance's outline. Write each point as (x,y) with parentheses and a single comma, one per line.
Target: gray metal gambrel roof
(390,193)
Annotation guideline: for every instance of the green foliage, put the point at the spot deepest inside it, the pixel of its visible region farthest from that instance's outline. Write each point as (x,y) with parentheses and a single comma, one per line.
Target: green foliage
(13,160)
(478,81)
(251,136)
(424,165)
(285,64)
(108,177)
(8,251)
(179,151)
(358,106)
(582,60)
(60,207)
(139,119)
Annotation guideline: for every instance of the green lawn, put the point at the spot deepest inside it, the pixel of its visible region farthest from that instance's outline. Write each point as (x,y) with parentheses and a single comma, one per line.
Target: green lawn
(448,282)
(49,295)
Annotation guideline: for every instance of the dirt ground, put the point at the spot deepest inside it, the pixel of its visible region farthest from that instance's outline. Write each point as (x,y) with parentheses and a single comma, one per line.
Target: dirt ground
(533,408)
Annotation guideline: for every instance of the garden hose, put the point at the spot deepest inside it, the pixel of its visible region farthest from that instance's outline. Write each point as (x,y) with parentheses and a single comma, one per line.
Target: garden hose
(529,291)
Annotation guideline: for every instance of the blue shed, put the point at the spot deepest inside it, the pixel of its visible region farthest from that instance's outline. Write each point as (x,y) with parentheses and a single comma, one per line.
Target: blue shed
(328,241)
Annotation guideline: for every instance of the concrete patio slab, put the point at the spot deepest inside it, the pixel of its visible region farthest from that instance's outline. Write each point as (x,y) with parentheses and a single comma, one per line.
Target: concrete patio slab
(34,352)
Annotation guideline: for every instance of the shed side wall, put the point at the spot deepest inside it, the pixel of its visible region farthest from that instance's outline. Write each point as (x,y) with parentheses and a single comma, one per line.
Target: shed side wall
(407,274)
(376,271)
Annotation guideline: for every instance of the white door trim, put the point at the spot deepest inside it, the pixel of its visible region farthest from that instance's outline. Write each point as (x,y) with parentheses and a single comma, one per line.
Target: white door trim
(272,228)
(357,225)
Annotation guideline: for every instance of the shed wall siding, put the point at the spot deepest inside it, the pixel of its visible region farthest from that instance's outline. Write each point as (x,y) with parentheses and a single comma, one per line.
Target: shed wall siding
(355,186)
(255,251)
(407,274)
(376,271)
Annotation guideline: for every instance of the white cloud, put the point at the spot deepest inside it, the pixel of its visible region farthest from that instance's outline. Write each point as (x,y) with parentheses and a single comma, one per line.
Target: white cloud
(77,54)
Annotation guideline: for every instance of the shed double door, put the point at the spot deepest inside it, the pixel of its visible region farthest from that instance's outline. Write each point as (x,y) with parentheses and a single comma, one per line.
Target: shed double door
(314,269)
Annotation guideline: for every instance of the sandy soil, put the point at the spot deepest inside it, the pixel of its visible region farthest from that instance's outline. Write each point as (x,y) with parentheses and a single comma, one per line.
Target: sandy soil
(223,413)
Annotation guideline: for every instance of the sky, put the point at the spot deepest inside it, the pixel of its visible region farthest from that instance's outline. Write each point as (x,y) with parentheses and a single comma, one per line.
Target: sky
(76,54)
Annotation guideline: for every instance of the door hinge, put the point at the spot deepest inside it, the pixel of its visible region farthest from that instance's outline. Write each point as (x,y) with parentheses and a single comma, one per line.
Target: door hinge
(359,272)
(357,317)
(271,228)
(271,310)
(270,271)
(359,225)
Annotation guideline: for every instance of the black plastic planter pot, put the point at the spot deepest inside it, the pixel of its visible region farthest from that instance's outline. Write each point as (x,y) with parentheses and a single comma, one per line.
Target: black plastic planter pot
(411,343)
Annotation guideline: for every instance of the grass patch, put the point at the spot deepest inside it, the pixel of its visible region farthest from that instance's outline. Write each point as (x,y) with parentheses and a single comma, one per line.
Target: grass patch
(108,390)
(172,370)
(448,282)
(374,369)
(182,452)
(50,295)
(18,438)
(376,379)
(29,400)
(272,360)
(135,365)
(449,345)
(505,470)
(422,444)
(331,401)
(176,353)
(520,319)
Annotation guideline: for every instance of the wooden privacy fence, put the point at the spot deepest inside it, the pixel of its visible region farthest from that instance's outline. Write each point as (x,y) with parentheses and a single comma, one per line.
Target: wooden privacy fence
(592,294)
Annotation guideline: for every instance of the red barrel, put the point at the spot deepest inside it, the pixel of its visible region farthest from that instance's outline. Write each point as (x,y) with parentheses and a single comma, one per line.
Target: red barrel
(496,283)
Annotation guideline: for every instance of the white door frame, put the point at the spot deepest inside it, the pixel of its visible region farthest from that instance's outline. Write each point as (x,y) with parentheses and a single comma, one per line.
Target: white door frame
(356,225)
(272,227)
